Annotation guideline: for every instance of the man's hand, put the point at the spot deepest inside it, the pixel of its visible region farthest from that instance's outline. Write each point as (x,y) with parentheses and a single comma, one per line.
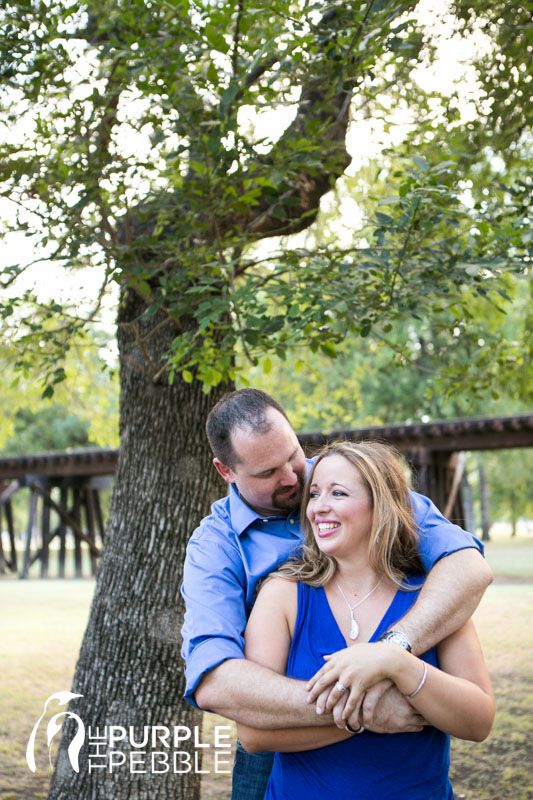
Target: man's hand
(385,710)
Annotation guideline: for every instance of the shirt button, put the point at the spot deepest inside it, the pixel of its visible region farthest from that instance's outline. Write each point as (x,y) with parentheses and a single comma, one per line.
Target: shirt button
(291,521)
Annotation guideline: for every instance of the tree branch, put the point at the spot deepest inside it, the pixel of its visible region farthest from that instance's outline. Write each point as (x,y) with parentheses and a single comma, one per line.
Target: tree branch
(236,37)
(318,103)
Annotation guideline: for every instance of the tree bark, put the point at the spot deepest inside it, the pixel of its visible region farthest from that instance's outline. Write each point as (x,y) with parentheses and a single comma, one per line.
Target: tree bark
(130,671)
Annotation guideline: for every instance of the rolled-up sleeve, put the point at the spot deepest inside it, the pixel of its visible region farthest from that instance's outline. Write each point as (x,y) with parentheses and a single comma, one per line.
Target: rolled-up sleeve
(437,536)
(214,592)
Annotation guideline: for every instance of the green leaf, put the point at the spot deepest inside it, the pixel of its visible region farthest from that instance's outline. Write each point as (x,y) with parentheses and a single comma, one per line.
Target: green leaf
(421,163)
(212,73)
(215,39)
(158,136)
(143,287)
(444,166)
(187,376)
(213,145)
(389,200)
(276,178)
(383,219)
(229,94)
(328,348)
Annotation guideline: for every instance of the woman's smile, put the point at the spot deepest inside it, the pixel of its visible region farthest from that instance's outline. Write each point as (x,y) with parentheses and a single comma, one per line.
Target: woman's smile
(326,527)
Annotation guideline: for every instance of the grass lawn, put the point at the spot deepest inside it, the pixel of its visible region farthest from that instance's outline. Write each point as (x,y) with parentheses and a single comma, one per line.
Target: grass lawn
(42,624)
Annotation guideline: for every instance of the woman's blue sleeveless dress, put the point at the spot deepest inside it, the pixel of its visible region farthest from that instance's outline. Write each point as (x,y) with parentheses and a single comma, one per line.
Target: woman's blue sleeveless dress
(369,766)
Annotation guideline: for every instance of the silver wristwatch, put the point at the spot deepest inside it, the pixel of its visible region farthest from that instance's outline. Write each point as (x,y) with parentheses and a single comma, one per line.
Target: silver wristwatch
(396,637)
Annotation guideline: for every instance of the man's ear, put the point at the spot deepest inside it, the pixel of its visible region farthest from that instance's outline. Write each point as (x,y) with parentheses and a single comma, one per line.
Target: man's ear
(224,471)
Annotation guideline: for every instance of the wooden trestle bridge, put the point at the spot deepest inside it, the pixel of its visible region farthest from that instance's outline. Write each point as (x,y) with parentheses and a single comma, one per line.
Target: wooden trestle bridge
(70,483)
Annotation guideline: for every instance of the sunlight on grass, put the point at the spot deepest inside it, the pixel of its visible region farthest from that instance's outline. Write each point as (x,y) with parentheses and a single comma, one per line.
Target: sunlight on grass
(510,558)
(41,632)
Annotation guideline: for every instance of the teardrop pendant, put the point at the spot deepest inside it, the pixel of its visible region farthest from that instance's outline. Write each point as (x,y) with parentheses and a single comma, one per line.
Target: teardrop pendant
(354,627)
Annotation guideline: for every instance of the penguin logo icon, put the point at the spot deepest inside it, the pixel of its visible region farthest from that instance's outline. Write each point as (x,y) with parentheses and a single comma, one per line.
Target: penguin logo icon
(54,727)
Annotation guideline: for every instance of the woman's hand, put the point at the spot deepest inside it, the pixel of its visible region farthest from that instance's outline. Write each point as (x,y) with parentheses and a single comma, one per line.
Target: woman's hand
(357,668)
(320,706)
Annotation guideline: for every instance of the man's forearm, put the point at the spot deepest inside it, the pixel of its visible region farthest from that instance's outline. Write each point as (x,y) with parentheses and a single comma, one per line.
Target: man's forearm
(249,693)
(289,740)
(449,597)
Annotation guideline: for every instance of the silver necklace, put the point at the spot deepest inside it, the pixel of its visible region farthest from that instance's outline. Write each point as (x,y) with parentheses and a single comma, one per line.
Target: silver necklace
(354,627)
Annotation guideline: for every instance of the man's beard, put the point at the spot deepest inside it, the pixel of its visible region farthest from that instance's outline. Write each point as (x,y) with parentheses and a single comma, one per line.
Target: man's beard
(279,500)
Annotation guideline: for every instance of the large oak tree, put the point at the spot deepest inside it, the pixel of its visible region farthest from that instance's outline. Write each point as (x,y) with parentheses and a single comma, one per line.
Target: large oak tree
(139,149)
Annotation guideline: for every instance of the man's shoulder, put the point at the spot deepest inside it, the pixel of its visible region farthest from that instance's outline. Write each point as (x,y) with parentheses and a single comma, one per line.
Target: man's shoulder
(217,524)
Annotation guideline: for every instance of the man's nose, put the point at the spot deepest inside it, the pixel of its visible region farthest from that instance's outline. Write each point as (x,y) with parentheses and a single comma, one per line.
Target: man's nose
(288,475)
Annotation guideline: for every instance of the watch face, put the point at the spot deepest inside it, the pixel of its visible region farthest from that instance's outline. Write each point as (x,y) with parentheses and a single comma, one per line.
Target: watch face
(399,638)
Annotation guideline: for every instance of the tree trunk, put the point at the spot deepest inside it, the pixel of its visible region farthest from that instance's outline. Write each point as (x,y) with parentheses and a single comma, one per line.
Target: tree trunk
(468,504)
(484,498)
(130,672)
(514,514)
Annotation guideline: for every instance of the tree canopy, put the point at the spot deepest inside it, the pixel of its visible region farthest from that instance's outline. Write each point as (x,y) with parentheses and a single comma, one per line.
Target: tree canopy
(143,130)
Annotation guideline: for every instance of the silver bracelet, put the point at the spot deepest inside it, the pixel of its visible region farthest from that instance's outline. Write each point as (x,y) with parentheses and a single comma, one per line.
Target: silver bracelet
(422,682)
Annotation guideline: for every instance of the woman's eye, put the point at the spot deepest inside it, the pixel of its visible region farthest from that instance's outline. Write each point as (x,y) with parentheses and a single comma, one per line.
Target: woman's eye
(313,495)
(338,493)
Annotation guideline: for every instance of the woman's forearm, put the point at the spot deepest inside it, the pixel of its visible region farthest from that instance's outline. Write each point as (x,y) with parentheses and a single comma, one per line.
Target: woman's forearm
(461,703)
(450,703)
(289,740)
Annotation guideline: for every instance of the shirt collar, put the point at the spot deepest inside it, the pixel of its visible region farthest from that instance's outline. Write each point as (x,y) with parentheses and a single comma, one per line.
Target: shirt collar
(242,516)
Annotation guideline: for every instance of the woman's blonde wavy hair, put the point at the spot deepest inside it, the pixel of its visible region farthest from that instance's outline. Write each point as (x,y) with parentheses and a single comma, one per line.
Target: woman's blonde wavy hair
(393,538)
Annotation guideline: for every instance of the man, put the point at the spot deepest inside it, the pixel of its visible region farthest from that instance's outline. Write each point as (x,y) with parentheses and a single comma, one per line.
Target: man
(247,535)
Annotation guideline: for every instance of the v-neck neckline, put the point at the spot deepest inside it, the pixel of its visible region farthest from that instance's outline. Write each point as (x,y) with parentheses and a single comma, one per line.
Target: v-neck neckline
(378,627)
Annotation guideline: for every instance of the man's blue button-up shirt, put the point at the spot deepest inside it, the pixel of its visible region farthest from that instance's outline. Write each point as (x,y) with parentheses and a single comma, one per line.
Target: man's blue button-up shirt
(234,547)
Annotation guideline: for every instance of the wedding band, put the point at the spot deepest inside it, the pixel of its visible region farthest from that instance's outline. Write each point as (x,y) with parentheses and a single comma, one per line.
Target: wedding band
(339,687)
(349,728)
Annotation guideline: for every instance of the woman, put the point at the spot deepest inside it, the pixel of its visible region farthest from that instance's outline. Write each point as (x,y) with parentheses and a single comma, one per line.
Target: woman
(359,573)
